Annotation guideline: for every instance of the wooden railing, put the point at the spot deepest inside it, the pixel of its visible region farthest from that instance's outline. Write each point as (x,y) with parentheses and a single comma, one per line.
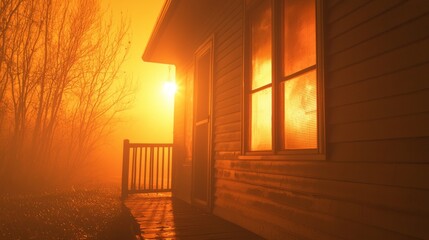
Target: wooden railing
(146,168)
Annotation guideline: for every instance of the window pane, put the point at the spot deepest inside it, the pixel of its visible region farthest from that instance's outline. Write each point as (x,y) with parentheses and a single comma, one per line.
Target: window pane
(261,46)
(300,112)
(299,35)
(261,121)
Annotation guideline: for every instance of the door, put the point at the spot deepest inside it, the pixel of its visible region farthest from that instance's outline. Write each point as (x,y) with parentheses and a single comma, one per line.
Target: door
(201,166)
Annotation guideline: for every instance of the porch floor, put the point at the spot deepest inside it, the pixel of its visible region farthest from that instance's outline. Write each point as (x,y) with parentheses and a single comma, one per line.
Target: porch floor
(163,217)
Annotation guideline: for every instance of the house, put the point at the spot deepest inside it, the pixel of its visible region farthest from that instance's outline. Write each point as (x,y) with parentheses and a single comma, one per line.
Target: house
(301,119)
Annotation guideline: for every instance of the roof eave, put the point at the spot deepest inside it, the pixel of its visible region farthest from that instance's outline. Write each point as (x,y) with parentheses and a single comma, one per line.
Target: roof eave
(149,55)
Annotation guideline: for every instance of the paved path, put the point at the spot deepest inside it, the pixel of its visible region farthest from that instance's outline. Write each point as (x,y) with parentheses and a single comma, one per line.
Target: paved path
(163,217)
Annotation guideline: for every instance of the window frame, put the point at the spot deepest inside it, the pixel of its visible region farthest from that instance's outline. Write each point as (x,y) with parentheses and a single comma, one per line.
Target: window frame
(255,5)
(277,151)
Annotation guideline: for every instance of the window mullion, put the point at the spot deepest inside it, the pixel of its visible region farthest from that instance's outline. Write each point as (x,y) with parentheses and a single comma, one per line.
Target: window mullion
(303,71)
(276,61)
(260,88)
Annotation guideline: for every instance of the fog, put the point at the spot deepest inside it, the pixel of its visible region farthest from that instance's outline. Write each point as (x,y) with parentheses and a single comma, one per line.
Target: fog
(70,94)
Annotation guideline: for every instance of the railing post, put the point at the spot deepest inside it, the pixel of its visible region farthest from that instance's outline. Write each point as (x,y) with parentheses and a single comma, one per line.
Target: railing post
(125,168)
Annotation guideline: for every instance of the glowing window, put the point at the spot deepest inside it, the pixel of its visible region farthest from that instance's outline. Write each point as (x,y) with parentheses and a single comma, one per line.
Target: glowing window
(299,35)
(261,75)
(299,75)
(261,47)
(261,120)
(284,83)
(300,112)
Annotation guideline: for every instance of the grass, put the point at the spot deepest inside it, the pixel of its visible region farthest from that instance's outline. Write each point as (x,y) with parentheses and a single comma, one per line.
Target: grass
(95,213)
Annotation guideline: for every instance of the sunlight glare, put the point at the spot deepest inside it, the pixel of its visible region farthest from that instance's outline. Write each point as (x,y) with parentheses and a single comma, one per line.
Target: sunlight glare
(169,88)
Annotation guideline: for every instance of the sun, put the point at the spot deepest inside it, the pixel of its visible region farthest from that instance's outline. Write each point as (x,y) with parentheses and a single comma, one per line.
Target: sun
(169,88)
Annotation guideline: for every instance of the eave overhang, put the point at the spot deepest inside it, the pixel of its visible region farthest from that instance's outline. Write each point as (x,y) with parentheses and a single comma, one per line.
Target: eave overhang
(179,29)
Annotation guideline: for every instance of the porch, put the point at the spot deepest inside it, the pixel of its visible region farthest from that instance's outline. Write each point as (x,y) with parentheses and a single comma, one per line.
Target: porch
(162,216)
(147,193)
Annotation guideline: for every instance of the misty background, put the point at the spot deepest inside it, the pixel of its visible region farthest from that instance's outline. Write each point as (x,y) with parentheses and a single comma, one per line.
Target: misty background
(69,92)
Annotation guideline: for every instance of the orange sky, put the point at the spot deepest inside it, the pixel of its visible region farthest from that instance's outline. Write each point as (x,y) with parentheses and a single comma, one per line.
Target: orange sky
(150,120)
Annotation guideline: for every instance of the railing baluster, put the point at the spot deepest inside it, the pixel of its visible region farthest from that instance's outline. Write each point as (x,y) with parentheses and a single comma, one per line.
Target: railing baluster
(145,168)
(151,169)
(162,171)
(134,167)
(168,169)
(125,167)
(140,168)
(157,167)
(148,169)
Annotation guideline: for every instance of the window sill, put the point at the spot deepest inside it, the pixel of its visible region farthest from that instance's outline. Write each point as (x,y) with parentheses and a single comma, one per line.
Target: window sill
(284,157)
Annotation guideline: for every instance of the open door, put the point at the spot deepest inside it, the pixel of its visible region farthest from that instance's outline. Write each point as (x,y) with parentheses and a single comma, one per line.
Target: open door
(201,167)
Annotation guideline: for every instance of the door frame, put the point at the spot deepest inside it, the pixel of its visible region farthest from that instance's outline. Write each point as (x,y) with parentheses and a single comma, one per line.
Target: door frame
(206,46)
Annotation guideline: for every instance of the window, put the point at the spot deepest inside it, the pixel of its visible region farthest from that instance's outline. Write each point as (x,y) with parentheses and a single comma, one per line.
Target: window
(284,84)
(261,75)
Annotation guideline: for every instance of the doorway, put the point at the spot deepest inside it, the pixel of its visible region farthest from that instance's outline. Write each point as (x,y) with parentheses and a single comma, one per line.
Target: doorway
(201,167)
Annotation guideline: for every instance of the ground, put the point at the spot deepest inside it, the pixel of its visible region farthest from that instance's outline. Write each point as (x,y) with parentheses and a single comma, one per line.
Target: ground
(84,213)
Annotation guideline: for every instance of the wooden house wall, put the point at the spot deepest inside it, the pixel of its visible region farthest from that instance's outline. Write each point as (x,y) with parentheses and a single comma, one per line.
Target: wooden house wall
(182,138)
(224,26)
(374,183)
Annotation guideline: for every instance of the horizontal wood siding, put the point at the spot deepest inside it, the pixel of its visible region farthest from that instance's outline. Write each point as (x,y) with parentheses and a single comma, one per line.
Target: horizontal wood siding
(377,96)
(374,183)
(182,168)
(228,82)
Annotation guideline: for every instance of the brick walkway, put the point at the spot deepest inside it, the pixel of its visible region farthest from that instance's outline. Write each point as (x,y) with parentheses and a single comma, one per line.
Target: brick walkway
(162,217)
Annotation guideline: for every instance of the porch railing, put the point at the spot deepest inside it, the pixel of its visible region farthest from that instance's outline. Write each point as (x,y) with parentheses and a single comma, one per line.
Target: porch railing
(146,168)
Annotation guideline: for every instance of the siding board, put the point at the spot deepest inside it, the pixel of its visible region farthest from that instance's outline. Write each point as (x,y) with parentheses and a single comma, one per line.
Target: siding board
(407,200)
(228,146)
(275,228)
(227,77)
(375,173)
(374,183)
(340,9)
(381,87)
(400,59)
(412,175)
(410,126)
(359,12)
(231,127)
(229,93)
(402,105)
(288,226)
(405,34)
(412,150)
(226,102)
(230,136)
(379,25)
(232,108)
(229,39)
(382,218)
(228,63)
(332,3)
(327,226)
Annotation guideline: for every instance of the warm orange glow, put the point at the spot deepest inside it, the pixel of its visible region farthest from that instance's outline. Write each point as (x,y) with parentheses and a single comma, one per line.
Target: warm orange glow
(299,35)
(261,97)
(300,92)
(300,112)
(151,117)
(261,121)
(261,48)
(169,89)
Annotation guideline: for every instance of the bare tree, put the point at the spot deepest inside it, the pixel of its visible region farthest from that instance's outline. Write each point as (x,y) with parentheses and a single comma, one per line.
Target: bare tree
(102,91)
(61,73)
(22,38)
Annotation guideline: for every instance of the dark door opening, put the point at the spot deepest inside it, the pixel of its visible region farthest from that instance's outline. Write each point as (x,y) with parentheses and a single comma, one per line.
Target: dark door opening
(201,171)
